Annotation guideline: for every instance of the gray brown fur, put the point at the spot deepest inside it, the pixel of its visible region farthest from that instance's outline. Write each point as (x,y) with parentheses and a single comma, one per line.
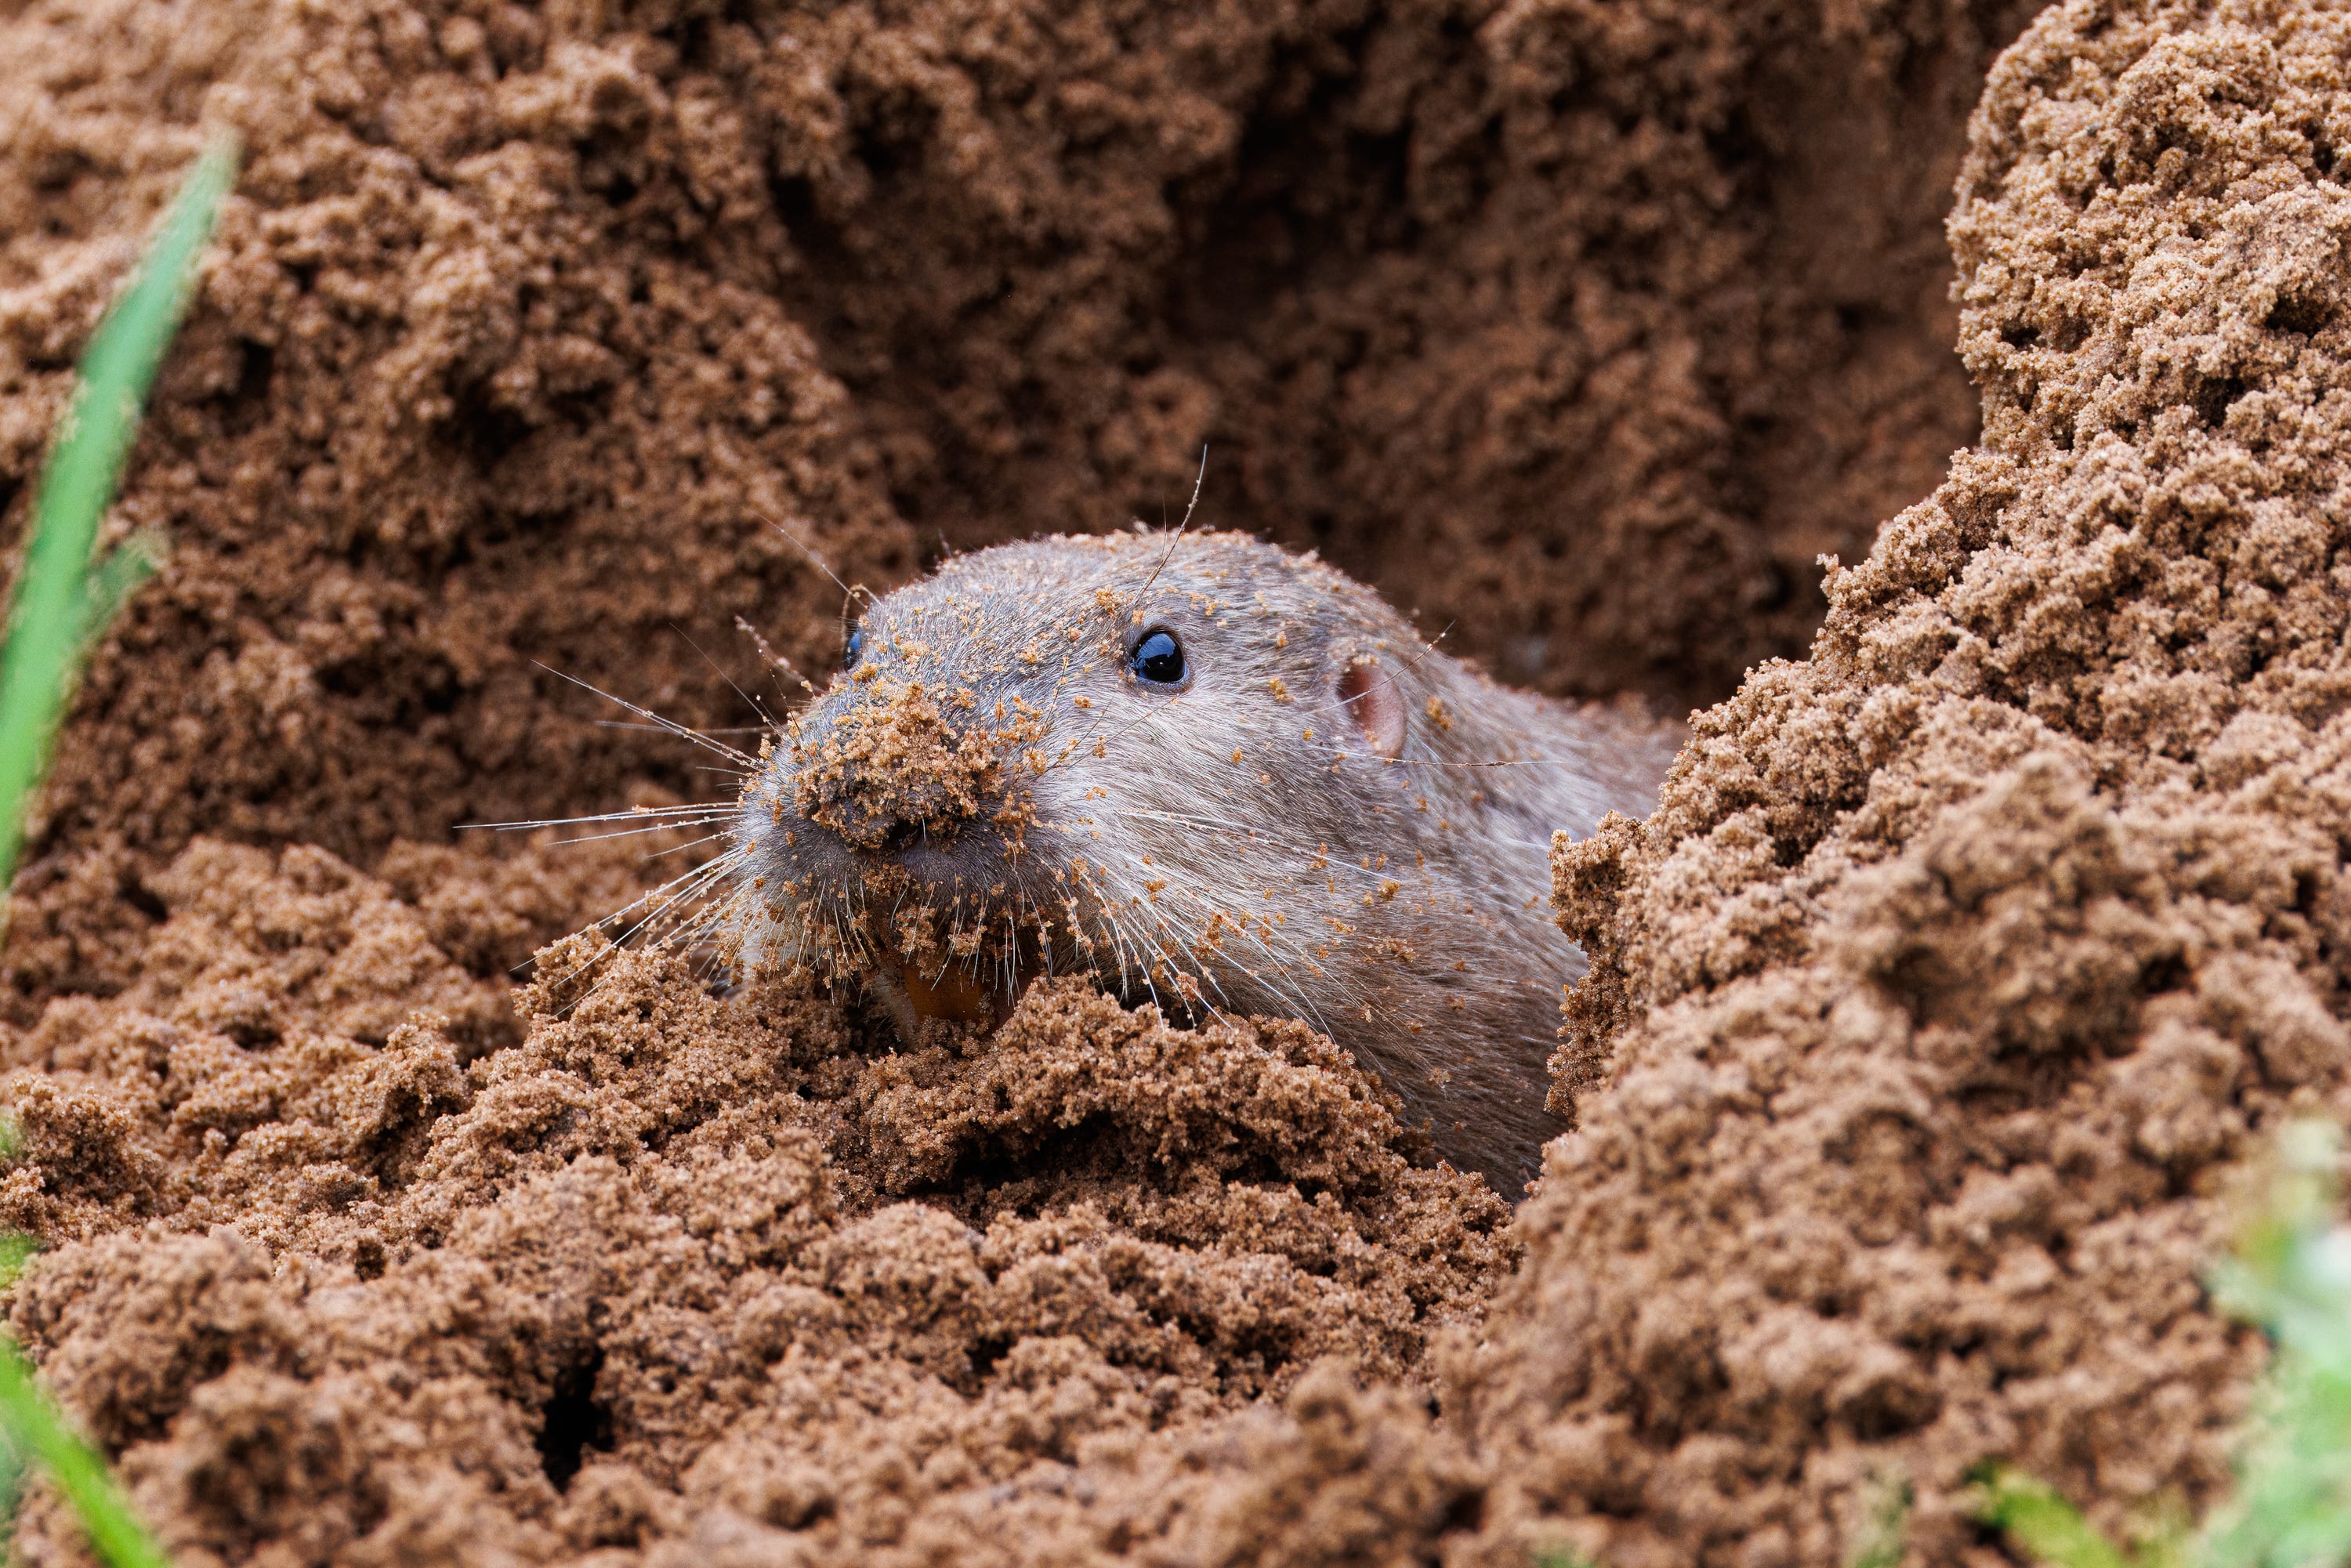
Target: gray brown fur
(992,763)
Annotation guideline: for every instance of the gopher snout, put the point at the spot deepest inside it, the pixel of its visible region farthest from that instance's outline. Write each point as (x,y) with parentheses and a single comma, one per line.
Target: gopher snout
(881,813)
(889,770)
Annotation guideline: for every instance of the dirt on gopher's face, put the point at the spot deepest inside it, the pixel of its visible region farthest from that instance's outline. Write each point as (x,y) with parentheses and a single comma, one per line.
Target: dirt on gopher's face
(1136,755)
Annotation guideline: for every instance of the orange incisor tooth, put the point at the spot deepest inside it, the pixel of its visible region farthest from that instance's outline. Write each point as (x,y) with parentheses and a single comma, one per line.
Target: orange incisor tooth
(953,995)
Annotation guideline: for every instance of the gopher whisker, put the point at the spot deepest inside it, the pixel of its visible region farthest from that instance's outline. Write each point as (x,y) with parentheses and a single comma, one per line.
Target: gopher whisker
(668,726)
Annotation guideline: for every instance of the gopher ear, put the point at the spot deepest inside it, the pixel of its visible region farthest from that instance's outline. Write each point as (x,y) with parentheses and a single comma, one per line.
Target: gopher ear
(1377,707)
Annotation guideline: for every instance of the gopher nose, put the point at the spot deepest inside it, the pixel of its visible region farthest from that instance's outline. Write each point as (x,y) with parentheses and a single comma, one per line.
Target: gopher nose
(890,812)
(890,770)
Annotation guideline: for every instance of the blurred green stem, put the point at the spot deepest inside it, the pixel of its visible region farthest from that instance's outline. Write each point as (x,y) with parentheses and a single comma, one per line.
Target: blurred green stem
(56,614)
(38,1433)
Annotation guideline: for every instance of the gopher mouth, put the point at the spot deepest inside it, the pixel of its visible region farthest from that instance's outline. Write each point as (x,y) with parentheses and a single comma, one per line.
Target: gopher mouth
(911,997)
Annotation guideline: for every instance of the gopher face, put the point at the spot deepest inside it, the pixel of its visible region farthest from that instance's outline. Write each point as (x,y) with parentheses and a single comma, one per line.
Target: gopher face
(1147,756)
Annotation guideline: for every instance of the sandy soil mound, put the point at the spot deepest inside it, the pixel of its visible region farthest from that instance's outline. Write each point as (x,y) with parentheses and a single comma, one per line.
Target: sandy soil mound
(1956,964)
(678,1267)
(1958,960)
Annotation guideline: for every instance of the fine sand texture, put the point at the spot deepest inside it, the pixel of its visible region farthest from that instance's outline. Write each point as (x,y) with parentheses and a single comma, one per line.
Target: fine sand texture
(1960,962)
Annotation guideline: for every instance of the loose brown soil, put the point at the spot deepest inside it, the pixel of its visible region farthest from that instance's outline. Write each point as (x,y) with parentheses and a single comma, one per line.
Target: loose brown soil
(1957,963)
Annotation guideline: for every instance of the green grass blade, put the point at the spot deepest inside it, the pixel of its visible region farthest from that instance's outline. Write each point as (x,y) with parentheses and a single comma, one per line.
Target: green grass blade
(1563,1557)
(37,1430)
(112,581)
(50,621)
(2033,1516)
(2292,1276)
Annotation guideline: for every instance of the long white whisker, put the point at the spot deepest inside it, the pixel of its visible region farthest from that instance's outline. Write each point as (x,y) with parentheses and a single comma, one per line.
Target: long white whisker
(675,849)
(650,827)
(811,554)
(756,706)
(636,814)
(682,731)
(662,729)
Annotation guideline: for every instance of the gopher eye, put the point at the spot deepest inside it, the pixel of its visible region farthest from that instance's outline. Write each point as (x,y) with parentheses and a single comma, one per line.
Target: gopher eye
(1157,659)
(854,649)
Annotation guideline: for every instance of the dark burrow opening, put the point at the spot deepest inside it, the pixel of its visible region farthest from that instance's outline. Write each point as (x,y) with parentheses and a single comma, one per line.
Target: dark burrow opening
(574,1422)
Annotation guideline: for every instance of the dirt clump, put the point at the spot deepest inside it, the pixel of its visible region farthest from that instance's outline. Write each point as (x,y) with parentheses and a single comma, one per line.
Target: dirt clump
(896,763)
(670,1265)
(1961,960)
